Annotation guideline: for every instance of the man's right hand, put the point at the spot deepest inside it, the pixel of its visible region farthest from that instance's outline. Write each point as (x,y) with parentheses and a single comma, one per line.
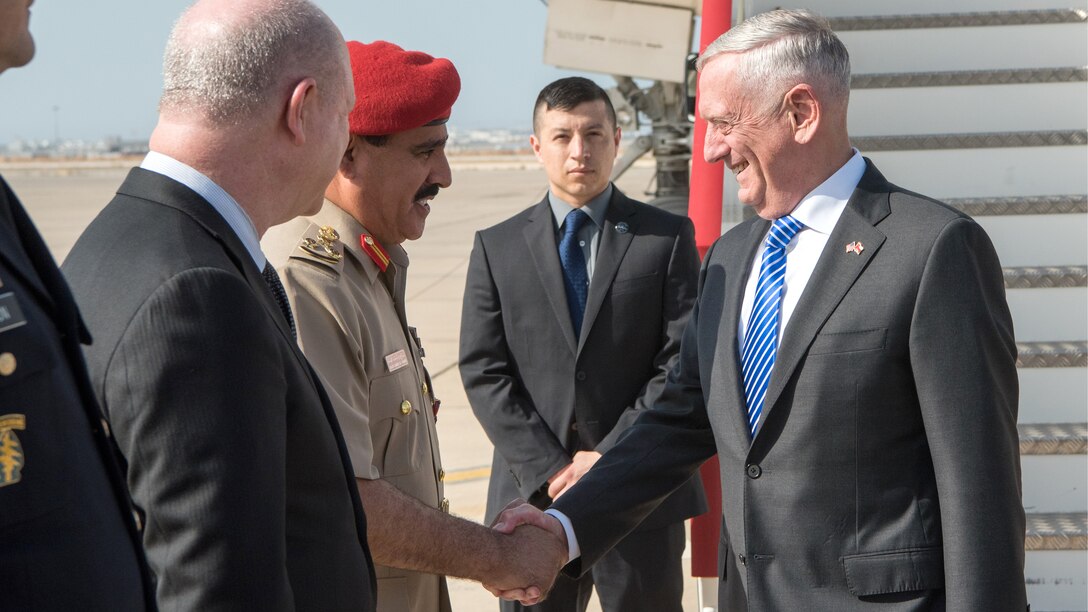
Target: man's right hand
(535,552)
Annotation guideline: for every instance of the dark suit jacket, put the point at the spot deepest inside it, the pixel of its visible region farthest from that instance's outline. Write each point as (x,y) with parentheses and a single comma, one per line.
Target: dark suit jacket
(886,473)
(542,394)
(233,452)
(68,538)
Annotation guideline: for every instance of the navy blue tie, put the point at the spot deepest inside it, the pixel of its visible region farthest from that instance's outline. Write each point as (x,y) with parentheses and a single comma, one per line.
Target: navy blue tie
(761,335)
(574,267)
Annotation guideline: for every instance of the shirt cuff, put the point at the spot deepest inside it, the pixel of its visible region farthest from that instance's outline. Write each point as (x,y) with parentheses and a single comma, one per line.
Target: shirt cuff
(573,552)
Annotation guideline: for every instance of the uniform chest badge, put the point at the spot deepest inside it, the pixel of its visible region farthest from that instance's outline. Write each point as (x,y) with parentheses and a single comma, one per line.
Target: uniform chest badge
(11,450)
(323,247)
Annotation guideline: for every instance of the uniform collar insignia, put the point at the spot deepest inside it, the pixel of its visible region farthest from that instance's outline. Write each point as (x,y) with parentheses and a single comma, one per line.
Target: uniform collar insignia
(375,251)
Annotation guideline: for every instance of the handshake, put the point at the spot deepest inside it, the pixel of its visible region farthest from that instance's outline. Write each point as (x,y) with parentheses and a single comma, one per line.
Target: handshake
(533,550)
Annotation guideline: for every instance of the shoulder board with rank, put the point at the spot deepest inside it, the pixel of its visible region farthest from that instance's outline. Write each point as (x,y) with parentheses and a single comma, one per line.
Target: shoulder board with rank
(375,251)
(322,244)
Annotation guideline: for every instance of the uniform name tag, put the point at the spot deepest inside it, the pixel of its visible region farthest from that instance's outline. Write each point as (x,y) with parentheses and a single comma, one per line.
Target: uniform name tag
(396,361)
(11,316)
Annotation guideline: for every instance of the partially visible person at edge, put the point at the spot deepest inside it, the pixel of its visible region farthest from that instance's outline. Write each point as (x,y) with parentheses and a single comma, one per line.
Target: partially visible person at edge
(345,270)
(868,447)
(69,539)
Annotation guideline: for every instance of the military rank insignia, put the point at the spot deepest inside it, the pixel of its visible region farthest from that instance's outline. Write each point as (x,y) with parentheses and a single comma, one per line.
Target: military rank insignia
(374,251)
(322,248)
(11,451)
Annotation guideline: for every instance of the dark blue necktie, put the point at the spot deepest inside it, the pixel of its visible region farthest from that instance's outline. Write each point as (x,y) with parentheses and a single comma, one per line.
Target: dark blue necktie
(278,292)
(574,267)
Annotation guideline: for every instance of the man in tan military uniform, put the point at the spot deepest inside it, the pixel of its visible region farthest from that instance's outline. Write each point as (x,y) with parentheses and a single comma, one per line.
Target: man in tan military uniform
(344,271)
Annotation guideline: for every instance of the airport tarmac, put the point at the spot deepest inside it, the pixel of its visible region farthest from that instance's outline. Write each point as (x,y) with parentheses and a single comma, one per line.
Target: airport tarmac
(62,200)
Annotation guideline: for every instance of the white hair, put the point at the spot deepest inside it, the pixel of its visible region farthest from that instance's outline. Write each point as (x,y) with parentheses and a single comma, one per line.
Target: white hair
(781,48)
(229,69)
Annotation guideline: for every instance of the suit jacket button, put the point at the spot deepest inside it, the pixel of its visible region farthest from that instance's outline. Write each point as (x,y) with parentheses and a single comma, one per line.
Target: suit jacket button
(580,376)
(754,471)
(574,426)
(405,407)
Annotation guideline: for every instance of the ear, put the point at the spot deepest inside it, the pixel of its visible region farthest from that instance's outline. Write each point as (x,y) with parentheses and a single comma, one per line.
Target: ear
(535,143)
(803,112)
(349,161)
(619,134)
(299,108)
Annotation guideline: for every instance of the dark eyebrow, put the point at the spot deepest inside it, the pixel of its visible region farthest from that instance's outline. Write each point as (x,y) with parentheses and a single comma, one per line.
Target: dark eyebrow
(430,145)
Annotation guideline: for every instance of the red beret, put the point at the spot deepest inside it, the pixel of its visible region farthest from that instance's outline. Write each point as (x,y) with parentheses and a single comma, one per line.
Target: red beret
(398,90)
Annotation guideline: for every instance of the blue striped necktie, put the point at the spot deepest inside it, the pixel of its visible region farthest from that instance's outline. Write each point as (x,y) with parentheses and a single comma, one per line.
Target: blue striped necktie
(761,335)
(573,261)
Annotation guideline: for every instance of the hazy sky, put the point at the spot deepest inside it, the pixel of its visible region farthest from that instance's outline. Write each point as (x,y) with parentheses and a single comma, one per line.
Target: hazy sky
(99,62)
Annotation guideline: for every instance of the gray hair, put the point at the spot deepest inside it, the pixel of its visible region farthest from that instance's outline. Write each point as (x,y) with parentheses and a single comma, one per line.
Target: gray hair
(781,48)
(228,71)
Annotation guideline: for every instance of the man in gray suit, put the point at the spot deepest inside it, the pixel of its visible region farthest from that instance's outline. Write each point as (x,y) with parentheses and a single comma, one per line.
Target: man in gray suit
(234,456)
(850,359)
(556,379)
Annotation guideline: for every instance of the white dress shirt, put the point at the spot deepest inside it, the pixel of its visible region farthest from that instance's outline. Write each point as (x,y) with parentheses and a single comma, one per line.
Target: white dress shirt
(226,206)
(819,211)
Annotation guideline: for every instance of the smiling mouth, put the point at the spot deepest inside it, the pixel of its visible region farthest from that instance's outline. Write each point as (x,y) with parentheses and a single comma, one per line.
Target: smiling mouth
(740,167)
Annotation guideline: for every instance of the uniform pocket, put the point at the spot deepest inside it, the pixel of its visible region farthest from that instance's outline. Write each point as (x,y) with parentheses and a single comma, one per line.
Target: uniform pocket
(395,427)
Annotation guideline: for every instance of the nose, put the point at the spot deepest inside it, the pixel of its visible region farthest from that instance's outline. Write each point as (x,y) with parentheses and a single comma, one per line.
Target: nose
(441,174)
(578,149)
(715,148)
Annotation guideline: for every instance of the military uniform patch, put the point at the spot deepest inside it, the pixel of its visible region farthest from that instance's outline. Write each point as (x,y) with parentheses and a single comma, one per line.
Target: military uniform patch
(11,451)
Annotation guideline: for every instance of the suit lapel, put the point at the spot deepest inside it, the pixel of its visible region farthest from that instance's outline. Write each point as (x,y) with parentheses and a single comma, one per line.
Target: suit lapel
(833,276)
(740,264)
(539,235)
(14,256)
(163,190)
(613,246)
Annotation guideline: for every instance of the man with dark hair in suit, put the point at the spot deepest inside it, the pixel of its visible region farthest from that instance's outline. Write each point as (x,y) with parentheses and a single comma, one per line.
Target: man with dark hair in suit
(68,535)
(868,446)
(234,456)
(572,316)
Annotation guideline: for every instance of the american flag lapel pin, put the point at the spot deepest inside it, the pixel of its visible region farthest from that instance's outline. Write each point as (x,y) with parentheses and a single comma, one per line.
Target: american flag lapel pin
(855,247)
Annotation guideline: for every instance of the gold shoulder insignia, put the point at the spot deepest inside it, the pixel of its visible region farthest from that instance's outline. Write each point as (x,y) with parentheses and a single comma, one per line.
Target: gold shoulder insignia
(324,246)
(11,451)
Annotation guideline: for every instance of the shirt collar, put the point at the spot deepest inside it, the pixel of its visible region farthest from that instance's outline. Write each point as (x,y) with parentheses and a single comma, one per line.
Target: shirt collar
(595,208)
(221,201)
(821,208)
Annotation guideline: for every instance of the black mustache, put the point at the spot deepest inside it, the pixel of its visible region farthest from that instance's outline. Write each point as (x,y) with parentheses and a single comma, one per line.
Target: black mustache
(426,191)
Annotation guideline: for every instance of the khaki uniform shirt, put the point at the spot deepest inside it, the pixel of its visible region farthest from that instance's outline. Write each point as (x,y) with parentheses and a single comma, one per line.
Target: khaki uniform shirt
(352,328)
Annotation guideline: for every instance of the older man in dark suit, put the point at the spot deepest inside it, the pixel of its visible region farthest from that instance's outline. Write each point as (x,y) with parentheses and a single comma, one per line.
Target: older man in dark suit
(234,456)
(850,358)
(572,316)
(68,536)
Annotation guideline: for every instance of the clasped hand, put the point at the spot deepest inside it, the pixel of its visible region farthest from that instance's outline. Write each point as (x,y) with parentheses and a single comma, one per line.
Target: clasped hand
(536,550)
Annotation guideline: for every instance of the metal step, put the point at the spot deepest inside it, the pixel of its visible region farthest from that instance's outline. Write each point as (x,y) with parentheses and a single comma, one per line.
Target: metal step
(1053,438)
(1056,531)
(1027,205)
(1052,354)
(959,20)
(987,140)
(1046,277)
(955,78)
